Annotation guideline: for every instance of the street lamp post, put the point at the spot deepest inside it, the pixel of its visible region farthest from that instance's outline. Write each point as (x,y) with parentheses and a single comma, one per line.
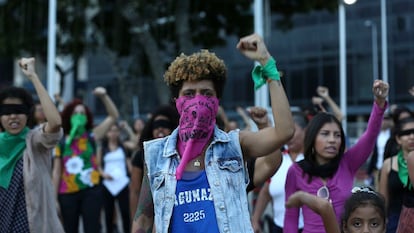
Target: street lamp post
(51,49)
(261,97)
(384,42)
(374,42)
(342,64)
(342,59)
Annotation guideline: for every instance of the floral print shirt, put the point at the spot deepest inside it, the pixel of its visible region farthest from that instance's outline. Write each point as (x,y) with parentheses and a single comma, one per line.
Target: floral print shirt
(79,165)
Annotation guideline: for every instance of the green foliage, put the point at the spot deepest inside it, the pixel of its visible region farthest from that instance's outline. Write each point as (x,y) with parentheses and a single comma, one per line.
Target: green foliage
(23,25)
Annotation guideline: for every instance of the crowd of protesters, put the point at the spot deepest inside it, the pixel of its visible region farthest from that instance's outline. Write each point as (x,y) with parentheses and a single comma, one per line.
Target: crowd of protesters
(188,168)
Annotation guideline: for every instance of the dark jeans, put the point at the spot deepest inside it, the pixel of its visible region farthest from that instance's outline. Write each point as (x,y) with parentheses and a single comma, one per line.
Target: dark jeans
(392,223)
(123,203)
(273,228)
(86,203)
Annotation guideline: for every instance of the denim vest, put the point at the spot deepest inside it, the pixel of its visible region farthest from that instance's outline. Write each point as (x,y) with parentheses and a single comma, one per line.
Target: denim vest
(226,175)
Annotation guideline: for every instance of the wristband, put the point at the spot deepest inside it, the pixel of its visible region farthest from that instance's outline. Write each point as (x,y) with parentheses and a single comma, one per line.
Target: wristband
(266,73)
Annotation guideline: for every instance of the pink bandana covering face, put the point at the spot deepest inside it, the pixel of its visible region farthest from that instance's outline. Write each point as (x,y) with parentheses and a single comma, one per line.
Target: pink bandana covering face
(197,121)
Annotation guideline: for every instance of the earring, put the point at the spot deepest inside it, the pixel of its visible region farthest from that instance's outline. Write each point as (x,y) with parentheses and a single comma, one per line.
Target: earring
(313,150)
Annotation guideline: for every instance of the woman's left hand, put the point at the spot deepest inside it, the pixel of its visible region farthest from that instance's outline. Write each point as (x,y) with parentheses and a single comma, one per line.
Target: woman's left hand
(380,90)
(99,91)
(28,66)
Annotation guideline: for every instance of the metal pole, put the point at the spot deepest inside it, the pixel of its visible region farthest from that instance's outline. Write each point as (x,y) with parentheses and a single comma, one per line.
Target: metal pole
(374,44)
(342,64)
(374,51)
(51,49)
(384,46)
(261,96)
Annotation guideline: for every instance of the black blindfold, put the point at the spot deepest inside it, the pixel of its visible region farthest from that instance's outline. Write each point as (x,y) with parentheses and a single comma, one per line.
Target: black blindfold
(406,132)
(162,124)
(8,109)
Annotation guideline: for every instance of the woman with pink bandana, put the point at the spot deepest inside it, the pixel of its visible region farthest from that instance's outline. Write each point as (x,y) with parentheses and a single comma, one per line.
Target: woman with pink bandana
(197,175)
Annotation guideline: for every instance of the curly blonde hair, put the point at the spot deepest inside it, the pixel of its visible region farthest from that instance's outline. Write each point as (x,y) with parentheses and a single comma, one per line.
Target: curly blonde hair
(197,66)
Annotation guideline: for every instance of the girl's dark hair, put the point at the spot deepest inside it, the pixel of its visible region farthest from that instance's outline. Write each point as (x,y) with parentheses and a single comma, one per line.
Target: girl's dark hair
(24,96)
(105,141)
(168,111)
(401,123)
(363,198)
(398,111)
(68,111)
(309,165)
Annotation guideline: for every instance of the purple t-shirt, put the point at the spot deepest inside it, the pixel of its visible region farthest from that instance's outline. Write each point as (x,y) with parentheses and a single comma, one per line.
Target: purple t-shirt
(340,185)
(194,207)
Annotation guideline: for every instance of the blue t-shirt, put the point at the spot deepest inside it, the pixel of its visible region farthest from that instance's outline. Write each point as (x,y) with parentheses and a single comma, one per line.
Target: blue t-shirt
(194,208)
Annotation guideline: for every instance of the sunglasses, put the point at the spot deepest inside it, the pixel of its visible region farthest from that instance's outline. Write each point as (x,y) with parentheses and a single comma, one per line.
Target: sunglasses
(323,192)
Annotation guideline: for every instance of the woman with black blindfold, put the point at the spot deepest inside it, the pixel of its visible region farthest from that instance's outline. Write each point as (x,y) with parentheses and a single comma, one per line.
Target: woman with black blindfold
(394,182)
(26,190)
(162,122)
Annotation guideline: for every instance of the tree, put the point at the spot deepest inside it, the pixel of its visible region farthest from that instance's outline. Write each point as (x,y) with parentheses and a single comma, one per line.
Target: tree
(150,32)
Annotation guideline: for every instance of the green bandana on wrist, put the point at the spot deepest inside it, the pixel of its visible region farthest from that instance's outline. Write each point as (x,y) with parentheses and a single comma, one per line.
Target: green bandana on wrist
(261,74)
(12,147)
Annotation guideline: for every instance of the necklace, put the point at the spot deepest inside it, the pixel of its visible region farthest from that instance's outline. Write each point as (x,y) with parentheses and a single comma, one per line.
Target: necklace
(197,162)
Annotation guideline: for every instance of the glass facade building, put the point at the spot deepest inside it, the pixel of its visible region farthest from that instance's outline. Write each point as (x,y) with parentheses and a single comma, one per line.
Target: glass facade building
(308,56)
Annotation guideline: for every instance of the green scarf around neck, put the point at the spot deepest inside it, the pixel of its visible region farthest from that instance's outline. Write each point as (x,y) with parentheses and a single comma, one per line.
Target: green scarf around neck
(403,170)
(12,147)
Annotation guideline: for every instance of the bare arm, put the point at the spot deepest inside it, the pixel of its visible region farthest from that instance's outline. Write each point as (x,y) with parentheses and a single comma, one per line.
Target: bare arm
(383,182)
(59,101)
(266,141)
(261,203)
(410,165)
(144,216)
(54,120)
(132,142)
(319,205)
(245,118)
(323,92)
(134,189)
(100,130)
(267,165)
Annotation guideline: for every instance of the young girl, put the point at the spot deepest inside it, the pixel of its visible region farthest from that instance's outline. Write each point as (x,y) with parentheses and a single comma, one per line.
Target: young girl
(26,191)
(364,211)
